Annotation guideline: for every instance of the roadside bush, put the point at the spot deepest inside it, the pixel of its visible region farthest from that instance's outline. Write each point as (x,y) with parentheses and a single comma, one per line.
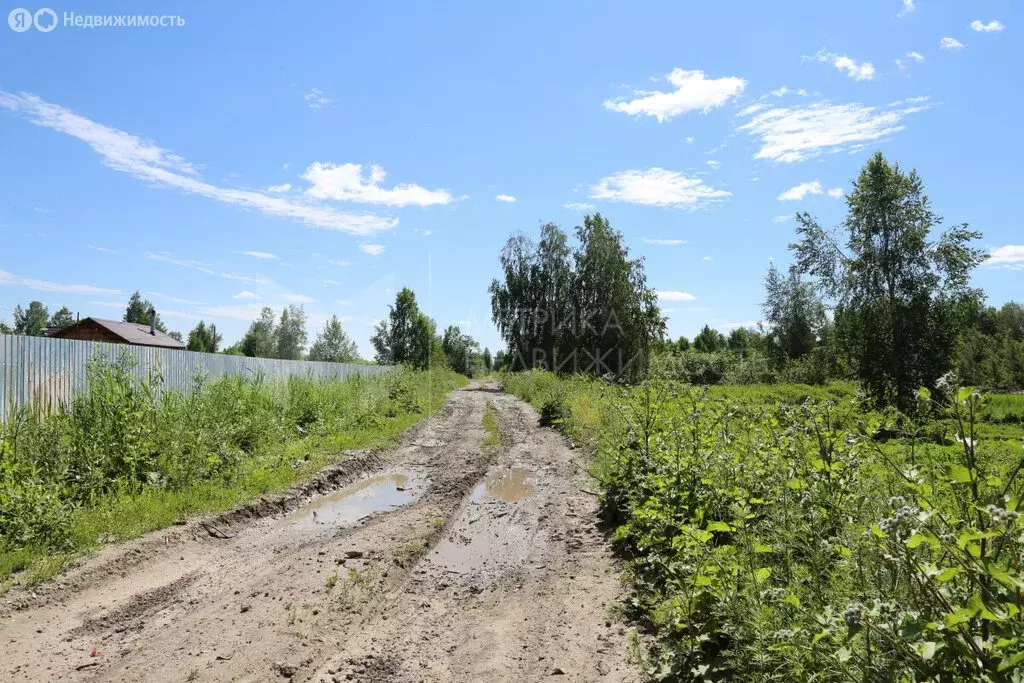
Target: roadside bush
(773,539)
(127,436)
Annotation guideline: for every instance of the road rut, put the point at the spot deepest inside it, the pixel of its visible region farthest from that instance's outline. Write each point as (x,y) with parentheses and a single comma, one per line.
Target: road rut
(439,560)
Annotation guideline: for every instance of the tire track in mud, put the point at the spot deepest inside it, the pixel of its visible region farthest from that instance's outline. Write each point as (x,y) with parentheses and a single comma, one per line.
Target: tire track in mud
(473,564)
(520,587)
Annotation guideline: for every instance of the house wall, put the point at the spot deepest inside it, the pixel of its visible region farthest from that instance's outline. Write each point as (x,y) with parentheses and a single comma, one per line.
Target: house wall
(89,331)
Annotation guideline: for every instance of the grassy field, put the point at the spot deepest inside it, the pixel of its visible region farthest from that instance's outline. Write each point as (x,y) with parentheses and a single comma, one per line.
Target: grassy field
(783,533)
(128,458)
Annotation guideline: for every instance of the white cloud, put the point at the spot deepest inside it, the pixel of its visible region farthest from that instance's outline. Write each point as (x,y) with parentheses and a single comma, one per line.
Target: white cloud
(104,250)
(706,258)
(578,206)
(284,187)
(340,263)
(798,192)
(863,71)
(663,243)
(779,92)
(990,27)
(372,249)
(174,299)
(347,182)
(297,298)
(781,219)
(1011,253)
(908,7)
(206,268)
(316,99)
(505,198)
(694,91)
(244,312)
(948,43)
(247,279)
(900,64)
(836,192)
(330,282)
(916,56)
(689,139)
(184,263)
(44,286)
(675,295)
(246,294)
(714,164)
(146,161)
(165,313)
(791,134)
(265,255)
(657,187)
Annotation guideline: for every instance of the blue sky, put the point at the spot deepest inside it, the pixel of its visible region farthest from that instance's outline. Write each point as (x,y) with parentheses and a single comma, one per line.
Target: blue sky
(264,154)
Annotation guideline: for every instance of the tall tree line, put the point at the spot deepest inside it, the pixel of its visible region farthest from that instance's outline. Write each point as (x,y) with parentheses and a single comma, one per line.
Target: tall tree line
(583,309)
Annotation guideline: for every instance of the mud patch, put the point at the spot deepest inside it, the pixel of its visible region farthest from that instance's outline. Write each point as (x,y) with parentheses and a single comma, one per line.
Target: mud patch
(133,614)
(510,485)
(381,493)
(496,533)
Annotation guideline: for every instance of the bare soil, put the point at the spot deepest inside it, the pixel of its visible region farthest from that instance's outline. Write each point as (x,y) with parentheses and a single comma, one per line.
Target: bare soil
(439,560)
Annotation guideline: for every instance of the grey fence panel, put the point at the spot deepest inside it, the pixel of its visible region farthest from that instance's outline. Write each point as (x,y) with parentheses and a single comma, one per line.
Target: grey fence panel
(45,373)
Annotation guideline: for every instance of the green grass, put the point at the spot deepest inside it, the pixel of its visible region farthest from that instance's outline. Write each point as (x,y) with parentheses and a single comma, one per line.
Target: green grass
(1007,408)
(490,424)
(782,532)
(129,459)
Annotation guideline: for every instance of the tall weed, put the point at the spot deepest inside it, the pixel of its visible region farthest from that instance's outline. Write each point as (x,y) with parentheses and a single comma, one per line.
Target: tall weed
(130,439)
(784,533)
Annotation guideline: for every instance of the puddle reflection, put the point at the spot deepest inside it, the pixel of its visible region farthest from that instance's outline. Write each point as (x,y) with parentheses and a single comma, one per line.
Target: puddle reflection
(507,485)
(350,504)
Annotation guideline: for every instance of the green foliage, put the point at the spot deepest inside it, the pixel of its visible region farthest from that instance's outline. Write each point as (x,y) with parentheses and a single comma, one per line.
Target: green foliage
(488,361)
(793,313)
(131,455)
(204,338)
(492,436)
(991,353)
(586,310)
(461,350)
(31,321)
(333,344)
(260,341)
(710,341)
(290,335)
(406,336)
(900,299)
(785,534)
(62,318)
(140,310)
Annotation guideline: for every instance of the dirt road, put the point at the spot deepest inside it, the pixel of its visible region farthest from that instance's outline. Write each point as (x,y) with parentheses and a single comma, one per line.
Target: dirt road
(440,560)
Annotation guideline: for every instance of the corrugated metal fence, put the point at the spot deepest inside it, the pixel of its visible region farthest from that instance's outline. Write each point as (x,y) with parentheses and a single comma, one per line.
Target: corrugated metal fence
(45,373)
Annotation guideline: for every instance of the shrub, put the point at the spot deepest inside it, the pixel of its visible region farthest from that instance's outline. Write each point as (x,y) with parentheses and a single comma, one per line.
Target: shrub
(772,536)
(128,436)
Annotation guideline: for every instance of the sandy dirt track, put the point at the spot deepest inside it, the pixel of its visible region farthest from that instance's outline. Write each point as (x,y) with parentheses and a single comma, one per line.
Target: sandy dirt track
(439,560)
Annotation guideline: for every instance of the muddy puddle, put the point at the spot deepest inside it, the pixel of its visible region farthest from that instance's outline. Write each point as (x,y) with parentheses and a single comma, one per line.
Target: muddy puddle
(379,493)
(510,485)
